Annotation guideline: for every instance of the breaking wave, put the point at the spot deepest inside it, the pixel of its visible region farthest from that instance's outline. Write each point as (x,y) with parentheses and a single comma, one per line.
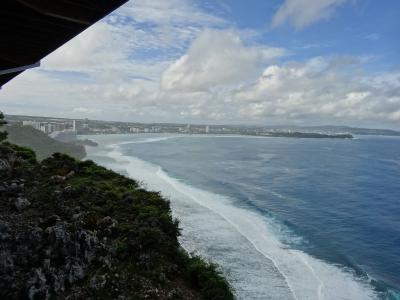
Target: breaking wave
(244,243)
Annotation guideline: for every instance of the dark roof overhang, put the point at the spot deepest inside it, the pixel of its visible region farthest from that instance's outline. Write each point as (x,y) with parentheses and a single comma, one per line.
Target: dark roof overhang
(32,29)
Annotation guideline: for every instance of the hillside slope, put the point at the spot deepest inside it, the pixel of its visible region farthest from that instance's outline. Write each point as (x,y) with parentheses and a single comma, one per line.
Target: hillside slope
(43,145)
(75,230)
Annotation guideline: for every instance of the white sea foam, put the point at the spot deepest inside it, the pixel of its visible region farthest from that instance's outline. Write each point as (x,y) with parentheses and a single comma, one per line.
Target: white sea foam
(149,140)
(244,243)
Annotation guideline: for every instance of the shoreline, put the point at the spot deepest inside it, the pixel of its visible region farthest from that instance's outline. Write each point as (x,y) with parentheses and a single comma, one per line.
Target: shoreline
(297,135)
(299,257)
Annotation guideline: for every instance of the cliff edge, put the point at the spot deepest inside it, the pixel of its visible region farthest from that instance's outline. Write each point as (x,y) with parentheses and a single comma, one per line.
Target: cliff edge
(74,230)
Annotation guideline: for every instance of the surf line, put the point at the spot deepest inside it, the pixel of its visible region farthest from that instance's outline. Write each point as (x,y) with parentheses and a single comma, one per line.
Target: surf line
(182,188)
(117,150)
(160,173)
(321,283)
(145,141)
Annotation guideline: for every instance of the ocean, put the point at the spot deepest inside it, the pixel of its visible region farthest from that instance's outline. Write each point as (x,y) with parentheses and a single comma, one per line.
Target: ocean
(284,218)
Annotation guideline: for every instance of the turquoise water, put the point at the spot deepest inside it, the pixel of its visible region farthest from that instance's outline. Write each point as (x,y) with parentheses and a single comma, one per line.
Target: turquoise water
(285,218)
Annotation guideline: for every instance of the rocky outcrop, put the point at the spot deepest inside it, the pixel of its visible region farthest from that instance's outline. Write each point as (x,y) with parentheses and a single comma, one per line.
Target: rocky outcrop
(41,143)
(59,255)
(74,230)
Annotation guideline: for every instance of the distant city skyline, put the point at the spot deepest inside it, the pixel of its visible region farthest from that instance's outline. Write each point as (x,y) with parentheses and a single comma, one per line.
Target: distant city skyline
(279,62)
(64,128)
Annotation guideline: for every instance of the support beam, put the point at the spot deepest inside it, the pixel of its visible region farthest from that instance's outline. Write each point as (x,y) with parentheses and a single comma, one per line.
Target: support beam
(32,29)
(19,69)
(59,9)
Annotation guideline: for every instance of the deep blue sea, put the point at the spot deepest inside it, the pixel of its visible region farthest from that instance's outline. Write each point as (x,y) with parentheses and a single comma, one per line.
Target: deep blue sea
(285,218)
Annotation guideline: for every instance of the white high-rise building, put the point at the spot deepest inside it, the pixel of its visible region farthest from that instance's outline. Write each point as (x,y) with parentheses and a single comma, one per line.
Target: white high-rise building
(34,124)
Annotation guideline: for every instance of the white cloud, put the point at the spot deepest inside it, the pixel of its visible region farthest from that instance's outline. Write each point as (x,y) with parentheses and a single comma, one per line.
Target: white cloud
(372,36)
(87,50)
(216,57)
(317,91)
(86,110)
(321,90)
(103,52)
(138,40)
(172,12)
(302,13)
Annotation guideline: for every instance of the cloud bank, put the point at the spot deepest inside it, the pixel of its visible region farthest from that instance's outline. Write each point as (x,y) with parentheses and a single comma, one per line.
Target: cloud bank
(186,65)
(216,57)
(302,13)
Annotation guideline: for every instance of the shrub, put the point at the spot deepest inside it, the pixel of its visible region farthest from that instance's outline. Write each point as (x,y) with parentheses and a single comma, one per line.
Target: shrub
(23,152)
(3,134)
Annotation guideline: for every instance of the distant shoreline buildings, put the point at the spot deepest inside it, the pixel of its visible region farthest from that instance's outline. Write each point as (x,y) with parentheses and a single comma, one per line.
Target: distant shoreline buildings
(67,129)
(61,131)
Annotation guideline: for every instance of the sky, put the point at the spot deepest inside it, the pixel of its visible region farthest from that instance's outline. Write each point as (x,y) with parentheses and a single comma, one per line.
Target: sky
(255,62)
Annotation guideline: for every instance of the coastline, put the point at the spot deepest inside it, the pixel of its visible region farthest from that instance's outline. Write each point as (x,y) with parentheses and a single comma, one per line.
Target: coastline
(282,258)
(78,230)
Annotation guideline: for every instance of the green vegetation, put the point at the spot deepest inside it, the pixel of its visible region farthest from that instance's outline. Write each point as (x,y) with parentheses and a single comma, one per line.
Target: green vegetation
(92,234)
(43,145)
(3,134)
(24,153)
